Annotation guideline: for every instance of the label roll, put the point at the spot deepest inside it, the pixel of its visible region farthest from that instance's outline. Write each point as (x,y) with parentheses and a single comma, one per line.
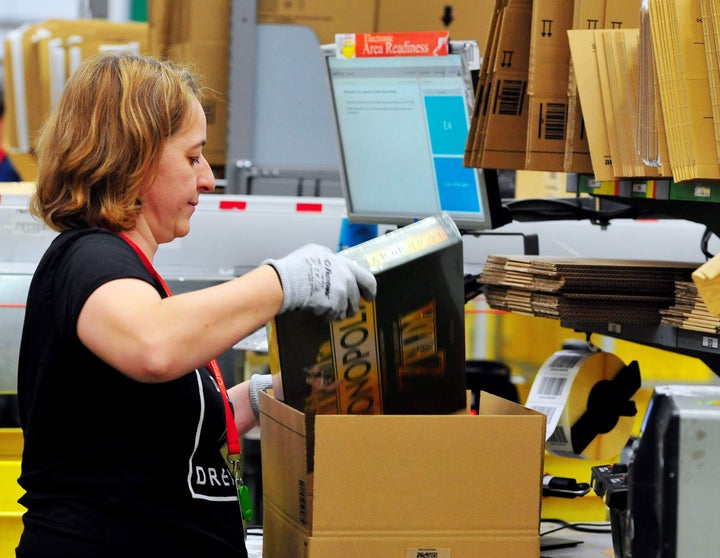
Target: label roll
(587,398)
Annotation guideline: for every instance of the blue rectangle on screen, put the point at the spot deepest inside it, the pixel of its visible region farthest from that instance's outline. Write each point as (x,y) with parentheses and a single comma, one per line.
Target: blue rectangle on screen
(447,124)
(457,185)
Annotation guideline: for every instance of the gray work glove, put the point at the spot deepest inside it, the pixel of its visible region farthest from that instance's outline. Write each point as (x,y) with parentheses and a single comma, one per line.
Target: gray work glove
(326,283)
(258,383)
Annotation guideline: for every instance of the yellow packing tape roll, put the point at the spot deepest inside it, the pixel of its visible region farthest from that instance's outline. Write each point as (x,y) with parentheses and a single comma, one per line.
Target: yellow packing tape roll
(561,390)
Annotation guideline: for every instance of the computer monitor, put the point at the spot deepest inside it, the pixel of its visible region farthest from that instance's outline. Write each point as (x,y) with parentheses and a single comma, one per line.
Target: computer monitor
(402,124)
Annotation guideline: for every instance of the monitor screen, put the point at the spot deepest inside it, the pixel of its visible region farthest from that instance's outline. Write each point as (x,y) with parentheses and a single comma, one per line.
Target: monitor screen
(402,126)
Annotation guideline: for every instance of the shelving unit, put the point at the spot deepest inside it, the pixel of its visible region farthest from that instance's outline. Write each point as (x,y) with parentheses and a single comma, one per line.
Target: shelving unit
(697,202)
(704,346)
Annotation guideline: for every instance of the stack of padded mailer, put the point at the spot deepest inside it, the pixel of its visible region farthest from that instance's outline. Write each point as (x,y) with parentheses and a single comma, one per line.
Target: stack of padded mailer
(690,311)
(581,289)
(684,40)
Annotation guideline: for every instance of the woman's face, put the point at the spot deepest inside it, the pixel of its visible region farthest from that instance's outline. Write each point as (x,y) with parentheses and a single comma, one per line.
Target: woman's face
(169,200)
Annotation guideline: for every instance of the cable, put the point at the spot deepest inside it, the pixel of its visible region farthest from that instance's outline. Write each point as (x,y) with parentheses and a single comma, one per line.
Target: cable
(581,527)
(553,209)
(704,243)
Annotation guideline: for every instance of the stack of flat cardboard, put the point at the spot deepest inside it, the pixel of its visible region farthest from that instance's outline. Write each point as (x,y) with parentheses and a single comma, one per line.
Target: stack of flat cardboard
(588,290)
(690,311)
(527,114)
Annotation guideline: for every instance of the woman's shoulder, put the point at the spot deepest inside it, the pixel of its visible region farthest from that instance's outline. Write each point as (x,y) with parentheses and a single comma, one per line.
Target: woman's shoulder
(87,246)
(87,234)
(86,238)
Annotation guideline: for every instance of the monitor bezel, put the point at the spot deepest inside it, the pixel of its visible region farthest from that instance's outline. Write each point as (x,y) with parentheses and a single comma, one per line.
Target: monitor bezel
(495,214)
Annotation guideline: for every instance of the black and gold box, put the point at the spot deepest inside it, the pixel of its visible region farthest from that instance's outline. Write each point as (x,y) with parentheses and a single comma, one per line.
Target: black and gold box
(403,353)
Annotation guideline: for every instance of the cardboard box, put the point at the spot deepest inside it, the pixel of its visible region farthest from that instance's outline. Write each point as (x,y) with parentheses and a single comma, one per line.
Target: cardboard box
(547,84)
(498,137)
(35,79)
(404,352)
(325,18)
(392,486)
(465,20)
(198,34)
(209,59)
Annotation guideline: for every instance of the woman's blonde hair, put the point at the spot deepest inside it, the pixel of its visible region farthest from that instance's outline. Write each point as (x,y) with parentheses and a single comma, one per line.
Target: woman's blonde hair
(103,141)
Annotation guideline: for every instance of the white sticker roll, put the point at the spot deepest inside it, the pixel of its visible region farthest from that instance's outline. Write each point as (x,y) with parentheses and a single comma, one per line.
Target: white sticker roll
(561,390)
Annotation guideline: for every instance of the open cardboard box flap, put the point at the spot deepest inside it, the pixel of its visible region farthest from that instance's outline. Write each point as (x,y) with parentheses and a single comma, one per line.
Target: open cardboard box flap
(425,478)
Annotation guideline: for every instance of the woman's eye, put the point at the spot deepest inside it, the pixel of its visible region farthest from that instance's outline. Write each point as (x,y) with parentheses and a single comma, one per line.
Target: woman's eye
(195,160)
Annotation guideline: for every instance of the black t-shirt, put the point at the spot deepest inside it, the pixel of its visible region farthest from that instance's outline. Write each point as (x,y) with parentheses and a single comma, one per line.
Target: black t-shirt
(111,466)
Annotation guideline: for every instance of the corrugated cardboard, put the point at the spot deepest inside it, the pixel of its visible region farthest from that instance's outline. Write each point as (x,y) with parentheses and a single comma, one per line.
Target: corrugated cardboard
(388,486)
(547,84)
(198,34)
(31,71)
(181,21)
(546,130)
(464,19)
(582,47)
(582,289)
(497,137)
(613,125)
(209,59)
(695,307)
(587,14)
(324,17)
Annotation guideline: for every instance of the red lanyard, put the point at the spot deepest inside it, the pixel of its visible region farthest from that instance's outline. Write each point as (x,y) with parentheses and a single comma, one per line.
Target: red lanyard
(233,440)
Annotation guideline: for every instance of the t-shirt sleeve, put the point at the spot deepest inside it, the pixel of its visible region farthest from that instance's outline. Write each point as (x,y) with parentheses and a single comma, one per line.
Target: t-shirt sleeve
(91,261)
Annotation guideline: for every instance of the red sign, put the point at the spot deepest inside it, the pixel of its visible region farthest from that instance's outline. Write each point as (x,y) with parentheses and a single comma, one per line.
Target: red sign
(368,45)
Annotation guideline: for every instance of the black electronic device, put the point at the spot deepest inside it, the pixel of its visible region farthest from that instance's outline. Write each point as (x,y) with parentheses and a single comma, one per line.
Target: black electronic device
(662,503)
(402,125)
(564,487)
(672,477)
(611,484)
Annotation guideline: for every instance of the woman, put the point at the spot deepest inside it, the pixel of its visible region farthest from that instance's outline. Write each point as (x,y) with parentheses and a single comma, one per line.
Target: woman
(123,419)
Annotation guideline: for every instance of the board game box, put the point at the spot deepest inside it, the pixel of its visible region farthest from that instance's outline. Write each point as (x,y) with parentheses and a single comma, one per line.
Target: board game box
(403,353)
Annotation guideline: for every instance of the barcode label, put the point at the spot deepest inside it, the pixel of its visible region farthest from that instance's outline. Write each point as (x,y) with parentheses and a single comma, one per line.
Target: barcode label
(558,437)
(549,412)
(710,342)
(551,385)
(510,96)
(302,493)
(554,123)
(565,361)
(427,553)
